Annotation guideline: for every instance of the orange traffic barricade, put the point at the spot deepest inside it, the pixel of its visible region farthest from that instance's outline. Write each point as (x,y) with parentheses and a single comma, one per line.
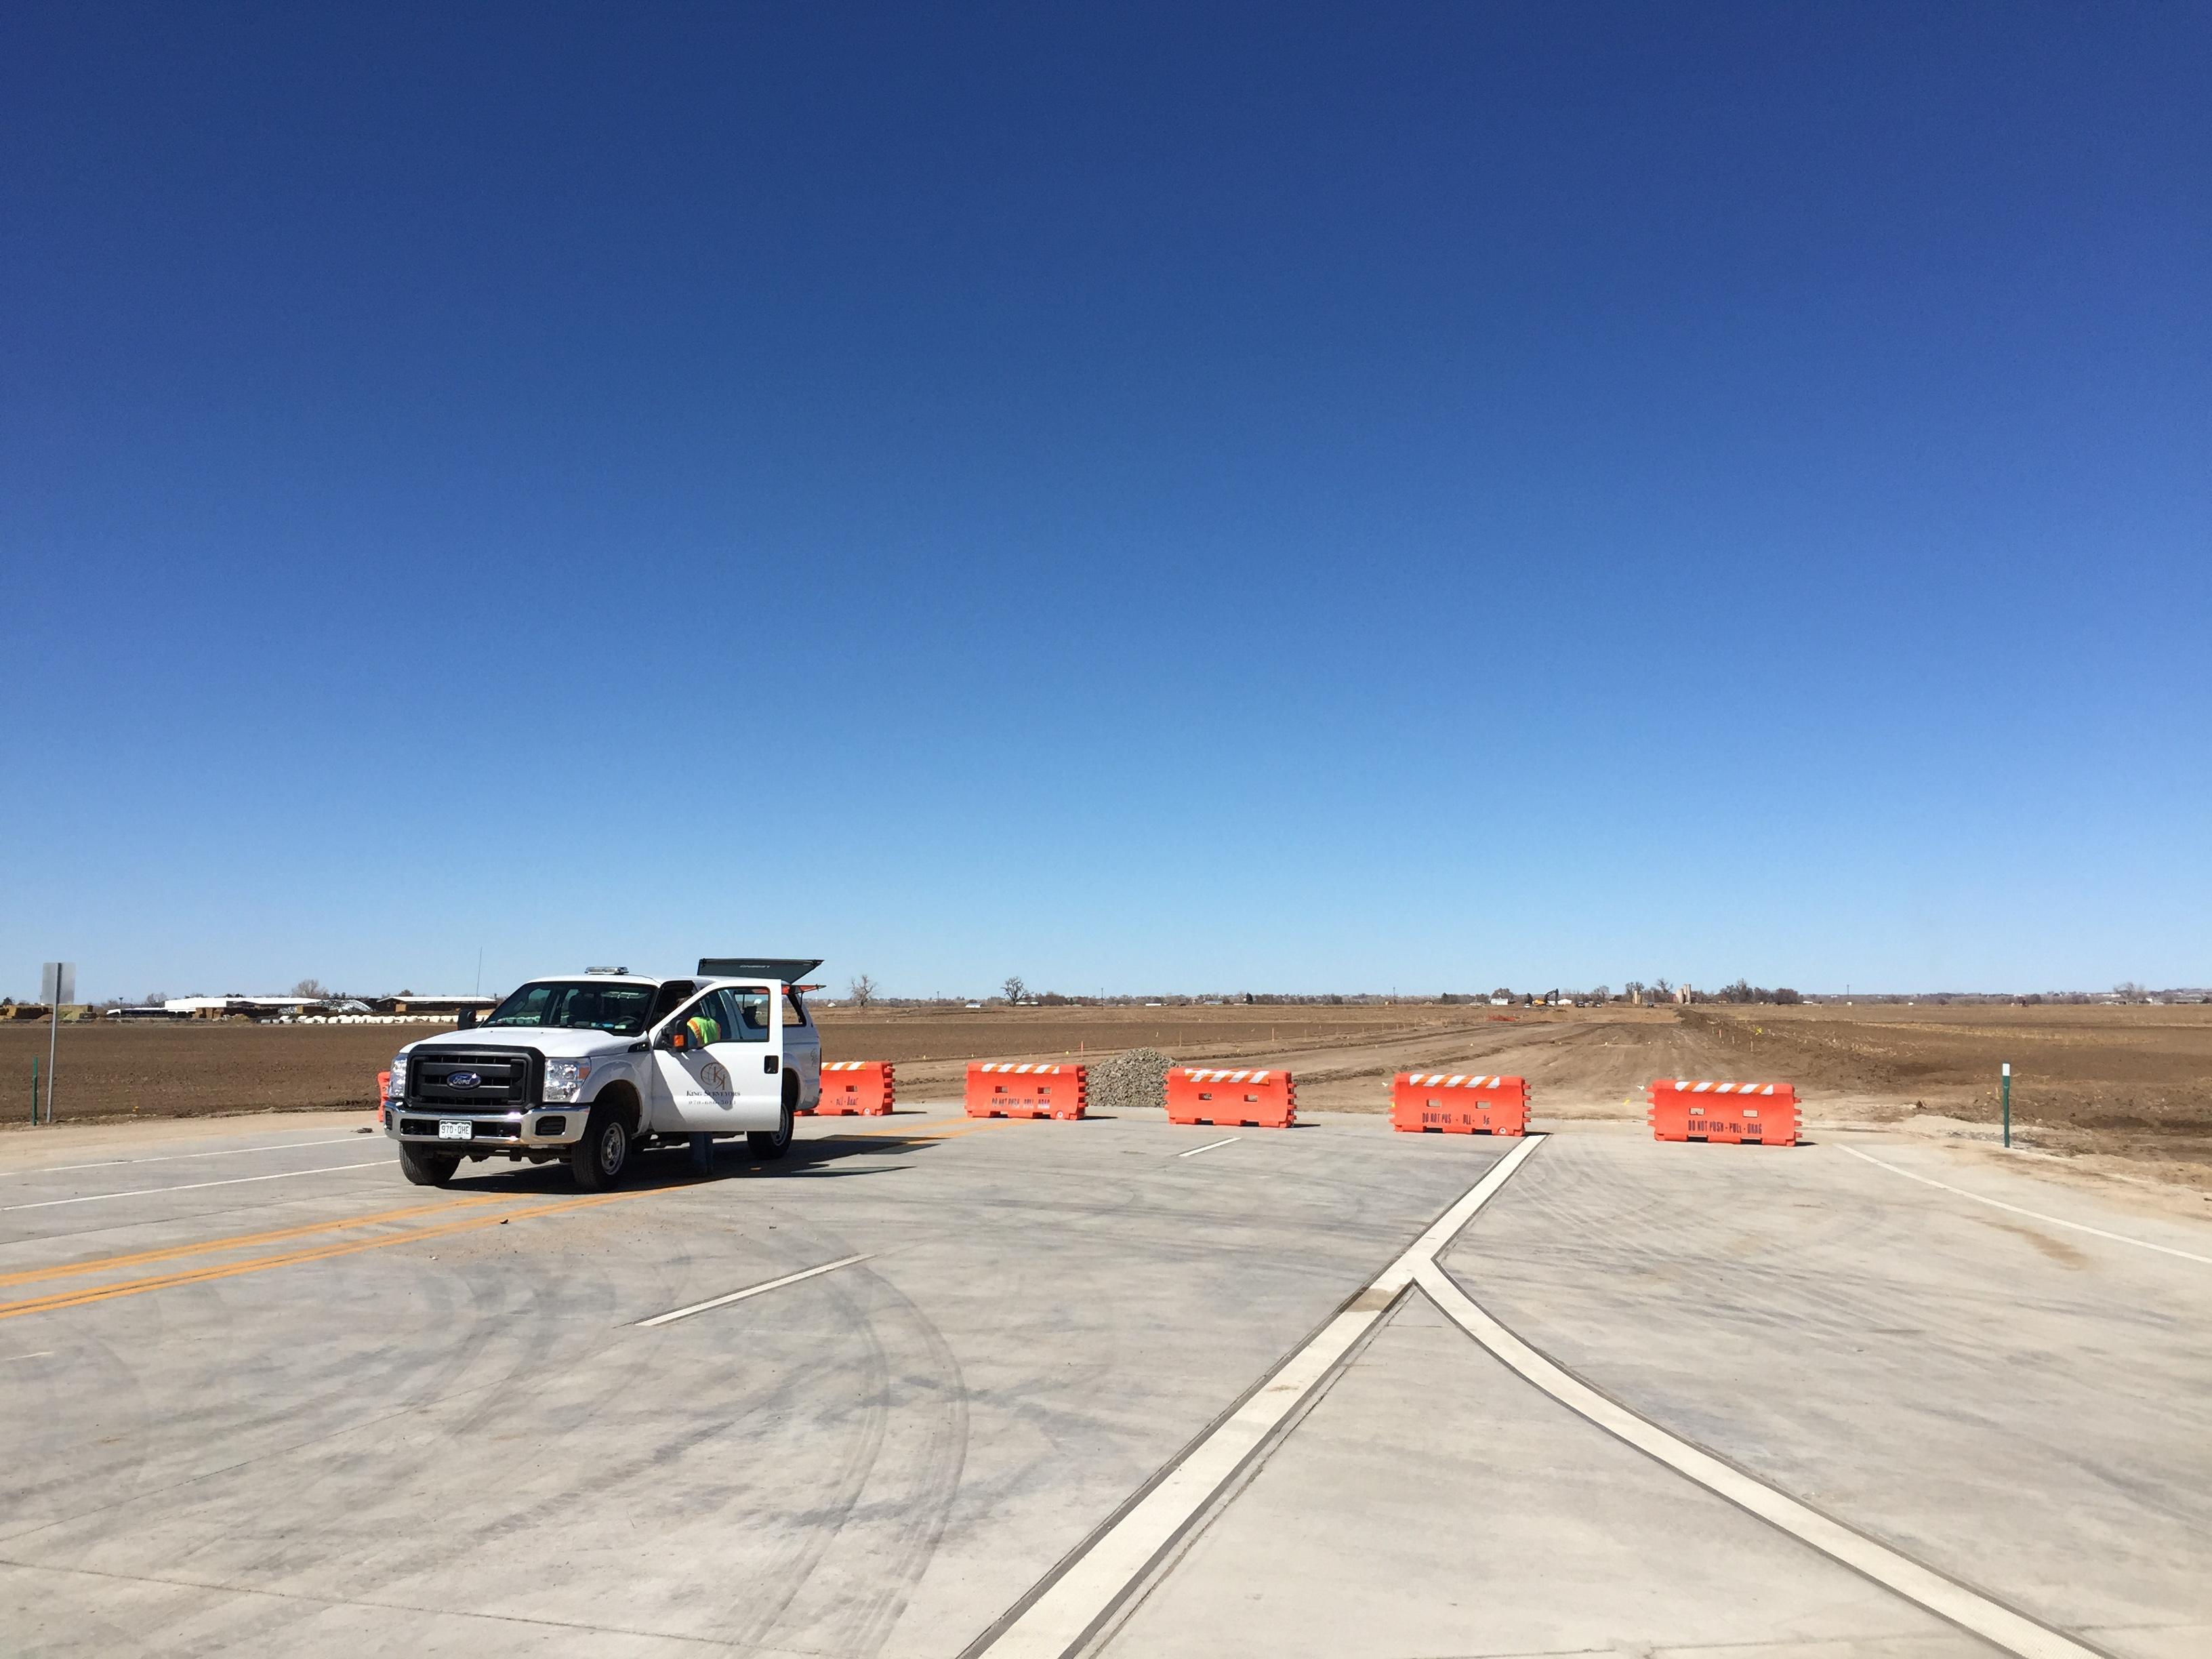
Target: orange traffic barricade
(856,1088)
(1459,1103)
(1003,1089)
(1259,1100)
(1751,1114)
(383,1095)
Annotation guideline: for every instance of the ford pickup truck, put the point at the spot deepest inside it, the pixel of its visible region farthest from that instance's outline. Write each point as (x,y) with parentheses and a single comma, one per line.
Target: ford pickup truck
(587,1069)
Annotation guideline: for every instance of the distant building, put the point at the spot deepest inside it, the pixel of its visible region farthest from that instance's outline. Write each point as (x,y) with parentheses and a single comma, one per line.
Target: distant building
(410,1003)
(221,1007)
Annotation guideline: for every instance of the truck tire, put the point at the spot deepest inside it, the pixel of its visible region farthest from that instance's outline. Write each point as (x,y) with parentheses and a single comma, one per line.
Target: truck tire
(598,1159)
(768,1144)
(426,1168)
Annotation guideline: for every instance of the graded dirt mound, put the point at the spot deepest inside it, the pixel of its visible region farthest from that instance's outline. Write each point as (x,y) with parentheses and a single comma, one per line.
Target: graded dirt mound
(1577,1062)
(1134,1079)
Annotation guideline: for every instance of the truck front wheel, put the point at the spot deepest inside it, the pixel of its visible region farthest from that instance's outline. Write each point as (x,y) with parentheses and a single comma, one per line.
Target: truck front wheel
(426,1168)
(598,1159)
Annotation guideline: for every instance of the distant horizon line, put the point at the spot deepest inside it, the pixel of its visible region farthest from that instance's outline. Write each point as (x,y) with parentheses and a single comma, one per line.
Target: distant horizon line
(1760,996)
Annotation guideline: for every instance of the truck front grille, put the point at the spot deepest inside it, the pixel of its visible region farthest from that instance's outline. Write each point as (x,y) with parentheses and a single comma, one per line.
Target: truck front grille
(505,1079)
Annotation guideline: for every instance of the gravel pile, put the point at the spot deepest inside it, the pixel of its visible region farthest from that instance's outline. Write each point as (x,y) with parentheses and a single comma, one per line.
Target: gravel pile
(1135,1077)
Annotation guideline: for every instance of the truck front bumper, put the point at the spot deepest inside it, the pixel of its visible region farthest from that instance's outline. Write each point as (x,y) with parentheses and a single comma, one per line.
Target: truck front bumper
(539,1128)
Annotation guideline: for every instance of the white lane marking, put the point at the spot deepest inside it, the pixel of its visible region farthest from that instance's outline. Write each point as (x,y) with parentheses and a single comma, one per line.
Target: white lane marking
(43,1353)
(195,1186)
(671,1317)
(1092,1586)
(2035,1215)
(1208,1147)
(1967,1608)
(172,1157)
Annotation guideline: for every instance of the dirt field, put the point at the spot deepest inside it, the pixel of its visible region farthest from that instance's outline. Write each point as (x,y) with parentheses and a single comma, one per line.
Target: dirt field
(2135,1081)
(196,1068)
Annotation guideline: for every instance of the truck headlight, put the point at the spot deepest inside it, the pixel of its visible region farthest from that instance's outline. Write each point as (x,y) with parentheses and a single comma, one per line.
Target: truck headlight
(395,1086)
(564,1080)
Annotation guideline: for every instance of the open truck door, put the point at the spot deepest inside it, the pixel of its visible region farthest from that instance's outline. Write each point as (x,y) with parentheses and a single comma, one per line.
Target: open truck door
(718,1063)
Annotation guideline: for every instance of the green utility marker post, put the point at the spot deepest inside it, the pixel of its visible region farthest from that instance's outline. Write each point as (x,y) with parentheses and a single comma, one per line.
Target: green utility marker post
(2007,1102)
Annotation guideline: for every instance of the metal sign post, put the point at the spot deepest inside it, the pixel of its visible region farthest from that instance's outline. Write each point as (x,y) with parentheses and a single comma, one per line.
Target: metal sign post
(57,984)
(2008,1101)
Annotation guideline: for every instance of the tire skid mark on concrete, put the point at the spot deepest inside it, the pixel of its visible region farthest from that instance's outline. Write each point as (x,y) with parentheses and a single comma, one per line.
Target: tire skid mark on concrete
(748,1616)
(86,1295)
(233,1241)
(1766,1292)
(312,1607)
(217,1415)
(192,1186)
(2035,1215)
(329,1394)
(576,1307)
(325,1504)
(33,1171)
(925,1486)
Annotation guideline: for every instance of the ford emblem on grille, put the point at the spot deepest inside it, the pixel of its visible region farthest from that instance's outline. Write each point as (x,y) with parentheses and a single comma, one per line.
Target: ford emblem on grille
(463,1081)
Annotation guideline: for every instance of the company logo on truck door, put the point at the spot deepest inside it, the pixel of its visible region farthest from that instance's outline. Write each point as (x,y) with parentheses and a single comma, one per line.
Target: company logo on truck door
(463,1079)
(714,1076)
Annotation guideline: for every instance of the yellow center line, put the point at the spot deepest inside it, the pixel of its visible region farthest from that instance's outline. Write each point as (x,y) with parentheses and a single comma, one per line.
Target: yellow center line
(936,1128)
(241,1241)
(894,1129)
(943,1128)
(83,1295)
(969,1129)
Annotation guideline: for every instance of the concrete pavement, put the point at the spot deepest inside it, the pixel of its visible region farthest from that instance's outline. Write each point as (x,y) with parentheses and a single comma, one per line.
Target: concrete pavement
(325,1412)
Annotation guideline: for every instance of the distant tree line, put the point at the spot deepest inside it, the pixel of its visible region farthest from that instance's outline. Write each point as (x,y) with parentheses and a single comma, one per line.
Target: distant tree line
(1744,991)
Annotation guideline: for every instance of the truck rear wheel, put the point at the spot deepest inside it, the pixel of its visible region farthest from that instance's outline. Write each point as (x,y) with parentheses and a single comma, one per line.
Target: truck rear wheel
(426,1168)
(768,1144)
(598,1159)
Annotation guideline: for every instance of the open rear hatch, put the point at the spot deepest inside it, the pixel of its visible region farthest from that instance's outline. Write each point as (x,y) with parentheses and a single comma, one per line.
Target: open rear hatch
(789,969)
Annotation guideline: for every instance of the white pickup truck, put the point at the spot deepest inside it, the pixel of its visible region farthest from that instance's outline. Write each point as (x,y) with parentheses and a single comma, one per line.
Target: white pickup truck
(589,1067)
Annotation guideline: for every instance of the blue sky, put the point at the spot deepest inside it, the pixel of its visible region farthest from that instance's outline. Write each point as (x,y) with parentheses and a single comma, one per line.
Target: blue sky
(1210,498)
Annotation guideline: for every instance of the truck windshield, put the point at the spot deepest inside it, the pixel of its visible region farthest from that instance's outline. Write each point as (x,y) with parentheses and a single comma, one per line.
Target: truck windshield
(621,1009)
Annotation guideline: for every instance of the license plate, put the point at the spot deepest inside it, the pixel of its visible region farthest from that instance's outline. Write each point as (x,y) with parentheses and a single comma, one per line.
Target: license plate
(448,1129)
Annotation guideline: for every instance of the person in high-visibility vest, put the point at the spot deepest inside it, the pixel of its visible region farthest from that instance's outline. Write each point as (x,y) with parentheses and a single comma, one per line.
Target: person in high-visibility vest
(704,1028)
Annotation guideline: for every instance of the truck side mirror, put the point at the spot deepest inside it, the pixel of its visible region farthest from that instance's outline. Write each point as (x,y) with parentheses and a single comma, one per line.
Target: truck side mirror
(675,1038)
